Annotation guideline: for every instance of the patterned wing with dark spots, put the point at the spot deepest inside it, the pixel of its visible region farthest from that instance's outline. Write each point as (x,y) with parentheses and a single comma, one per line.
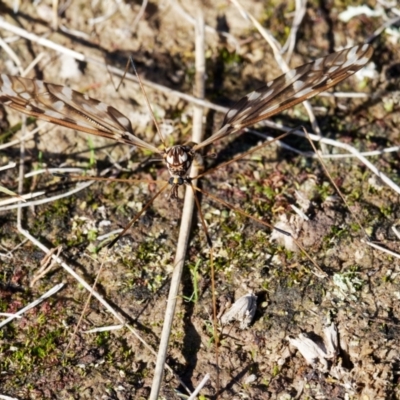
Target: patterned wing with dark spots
(291,88)
(64,106)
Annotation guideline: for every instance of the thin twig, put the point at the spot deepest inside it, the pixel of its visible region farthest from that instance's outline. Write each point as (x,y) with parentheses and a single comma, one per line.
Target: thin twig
(396,232)
(186,221)
(332,142)
(36,61)
(288,47)
(100,63)
(199,387)
(27,136)
(78,188)
(344,146)
(139,15)
(95,294)
(209,29)
(49,293)
(108,328)
(378,31)
(380,248)
(11,53)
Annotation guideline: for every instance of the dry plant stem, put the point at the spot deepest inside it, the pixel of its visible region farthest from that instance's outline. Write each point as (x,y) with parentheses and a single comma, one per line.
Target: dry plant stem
(10,315)
(49,293)
(383,249)
(10,165)
(394,149)
(29,135)
(9,253)
(47,265)
(2,397)
(11,194)
(11,54)
(209,29)
(353,152)
(186,221)
(54,171)
(65,266)
(346,95)
(117,71)
(105,329)
(55,14)
(73,32)
(199,387)
(378,31)
(16,6)
(105,17)
(33,63)
(288,47)
(79,187)
(94,294)
(396,232)
(148,105)
(21,174)
(17,62)
(139,15)
(344,146)
(280,61)
(109,234)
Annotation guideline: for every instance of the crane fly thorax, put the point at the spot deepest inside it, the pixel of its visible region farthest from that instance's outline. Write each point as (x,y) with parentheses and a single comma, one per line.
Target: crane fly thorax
(179,159)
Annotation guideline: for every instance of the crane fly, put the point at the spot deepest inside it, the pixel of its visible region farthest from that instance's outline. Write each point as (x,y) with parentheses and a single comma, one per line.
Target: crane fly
(63,106)
(66,107)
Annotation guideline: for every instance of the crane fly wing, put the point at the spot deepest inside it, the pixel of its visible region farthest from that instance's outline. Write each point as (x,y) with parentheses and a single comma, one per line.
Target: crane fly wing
(291,88)
(64,106)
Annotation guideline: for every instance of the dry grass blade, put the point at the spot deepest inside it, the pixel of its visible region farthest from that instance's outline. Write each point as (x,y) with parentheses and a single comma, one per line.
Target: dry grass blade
(35,303)
(100,63)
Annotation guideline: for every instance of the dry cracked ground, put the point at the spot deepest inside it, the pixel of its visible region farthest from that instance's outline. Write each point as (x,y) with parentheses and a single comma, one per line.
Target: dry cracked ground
(48,354)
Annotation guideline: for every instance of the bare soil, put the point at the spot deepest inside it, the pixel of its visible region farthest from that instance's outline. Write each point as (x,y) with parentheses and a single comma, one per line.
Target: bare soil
(293,295)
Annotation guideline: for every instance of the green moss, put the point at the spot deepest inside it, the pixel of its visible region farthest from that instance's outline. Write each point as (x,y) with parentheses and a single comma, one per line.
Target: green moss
(102,338)
(386,211)
(40,347)
(229,57)
(275,371)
